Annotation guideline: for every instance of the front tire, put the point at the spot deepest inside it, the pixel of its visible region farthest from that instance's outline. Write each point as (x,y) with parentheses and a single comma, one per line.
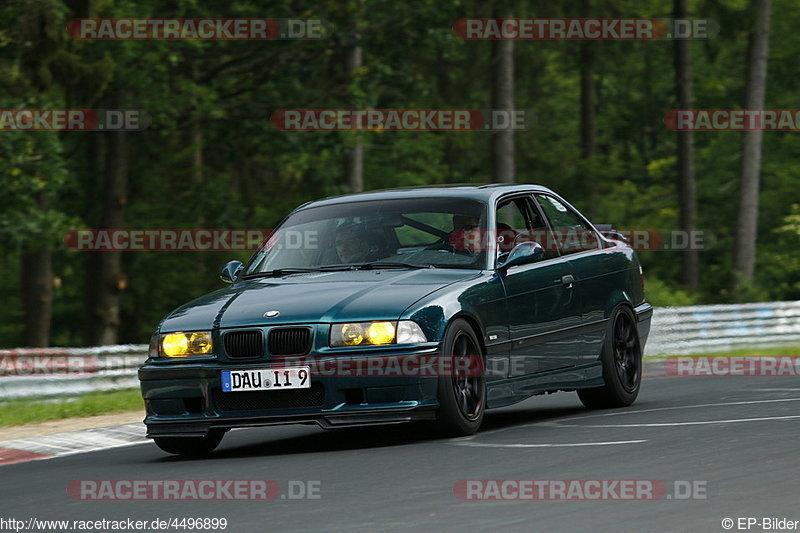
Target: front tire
(190,446)
(462,393)
(622,365)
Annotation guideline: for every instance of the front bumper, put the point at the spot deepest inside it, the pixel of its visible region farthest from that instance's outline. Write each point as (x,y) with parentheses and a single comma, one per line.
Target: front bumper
(185,398)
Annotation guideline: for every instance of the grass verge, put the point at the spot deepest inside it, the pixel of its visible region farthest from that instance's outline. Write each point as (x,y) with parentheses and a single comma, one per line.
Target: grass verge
(16,412)
(751,352)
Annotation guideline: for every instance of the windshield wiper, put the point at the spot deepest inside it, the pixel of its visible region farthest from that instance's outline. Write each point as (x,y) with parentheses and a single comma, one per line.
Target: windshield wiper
(332,268)
(389,264)
(298,270)
(336,268)
(279,272)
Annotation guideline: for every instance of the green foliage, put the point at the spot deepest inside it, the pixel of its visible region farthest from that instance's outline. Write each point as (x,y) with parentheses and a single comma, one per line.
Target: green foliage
(252,174)
(33,177)
(792,351)
(661,294)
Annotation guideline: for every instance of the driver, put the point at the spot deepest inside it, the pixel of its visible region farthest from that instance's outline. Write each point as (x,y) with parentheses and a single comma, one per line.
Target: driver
(353,245)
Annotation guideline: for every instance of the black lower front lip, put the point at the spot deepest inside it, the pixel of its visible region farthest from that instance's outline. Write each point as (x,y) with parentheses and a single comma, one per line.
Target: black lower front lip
(327,420)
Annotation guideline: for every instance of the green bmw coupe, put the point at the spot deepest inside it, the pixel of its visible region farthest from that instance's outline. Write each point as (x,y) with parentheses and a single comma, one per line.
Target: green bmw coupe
(425,304)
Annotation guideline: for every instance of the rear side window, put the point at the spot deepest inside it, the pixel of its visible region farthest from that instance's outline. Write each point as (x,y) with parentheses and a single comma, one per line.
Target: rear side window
(571,233)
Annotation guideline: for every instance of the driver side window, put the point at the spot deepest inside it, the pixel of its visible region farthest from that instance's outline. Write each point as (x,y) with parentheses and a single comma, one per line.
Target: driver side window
(512,224)
(519,220)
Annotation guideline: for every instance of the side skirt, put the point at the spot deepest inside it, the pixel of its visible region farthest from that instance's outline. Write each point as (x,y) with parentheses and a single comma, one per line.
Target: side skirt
(510,391)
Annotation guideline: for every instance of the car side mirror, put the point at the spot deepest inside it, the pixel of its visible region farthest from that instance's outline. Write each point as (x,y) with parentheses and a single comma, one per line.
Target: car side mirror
(230,271)
(523,254)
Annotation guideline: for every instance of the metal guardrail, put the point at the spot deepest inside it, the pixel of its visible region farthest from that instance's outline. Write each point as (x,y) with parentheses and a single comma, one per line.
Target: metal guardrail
(52,372)
(714,328)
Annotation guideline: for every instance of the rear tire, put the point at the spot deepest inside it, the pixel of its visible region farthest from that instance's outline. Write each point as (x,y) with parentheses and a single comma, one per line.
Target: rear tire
(622,365)
(191,446)
(462,395)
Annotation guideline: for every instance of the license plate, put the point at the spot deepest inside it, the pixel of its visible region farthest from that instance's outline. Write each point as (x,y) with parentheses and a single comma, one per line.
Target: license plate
(296,377)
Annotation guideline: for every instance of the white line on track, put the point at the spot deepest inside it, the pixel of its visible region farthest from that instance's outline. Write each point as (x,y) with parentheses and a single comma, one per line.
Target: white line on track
(723,404)
(561,423)
(469,441)
(669,424)
(544,445)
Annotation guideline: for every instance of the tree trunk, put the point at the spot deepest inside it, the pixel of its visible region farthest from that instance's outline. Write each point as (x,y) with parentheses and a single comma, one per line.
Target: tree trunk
(687,196)
(195,137)
(96,156)
(37,296)
(196,142)
(354,166)
(448,94)
(503,99)
(196,158)
(588,142)
(744,258)
(105,278)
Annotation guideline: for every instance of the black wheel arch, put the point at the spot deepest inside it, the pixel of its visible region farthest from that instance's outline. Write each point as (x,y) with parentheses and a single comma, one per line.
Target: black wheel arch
(476,328)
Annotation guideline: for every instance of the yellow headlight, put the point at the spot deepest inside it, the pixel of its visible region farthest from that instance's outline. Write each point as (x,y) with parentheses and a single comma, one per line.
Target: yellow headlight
(181,344)
(175,345)
(380,332)
(352,334)
(200,342)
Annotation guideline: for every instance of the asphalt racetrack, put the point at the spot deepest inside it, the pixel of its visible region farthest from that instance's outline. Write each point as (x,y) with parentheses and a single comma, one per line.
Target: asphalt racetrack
(719,447)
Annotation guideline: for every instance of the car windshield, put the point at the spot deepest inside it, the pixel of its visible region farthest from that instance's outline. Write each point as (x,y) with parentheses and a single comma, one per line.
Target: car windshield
(397,233)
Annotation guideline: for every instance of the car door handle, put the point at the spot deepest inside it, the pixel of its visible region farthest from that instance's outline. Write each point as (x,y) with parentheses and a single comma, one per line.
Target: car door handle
(567,280)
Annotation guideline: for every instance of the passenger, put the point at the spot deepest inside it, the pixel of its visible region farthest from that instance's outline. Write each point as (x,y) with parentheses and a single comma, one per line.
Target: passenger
(465,222)
(465,236)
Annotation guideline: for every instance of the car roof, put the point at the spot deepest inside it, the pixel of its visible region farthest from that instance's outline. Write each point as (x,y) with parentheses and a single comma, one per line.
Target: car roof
(486,192)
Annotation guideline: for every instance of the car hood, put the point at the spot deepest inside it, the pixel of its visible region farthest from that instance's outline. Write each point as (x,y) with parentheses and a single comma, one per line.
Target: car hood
(313,297)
